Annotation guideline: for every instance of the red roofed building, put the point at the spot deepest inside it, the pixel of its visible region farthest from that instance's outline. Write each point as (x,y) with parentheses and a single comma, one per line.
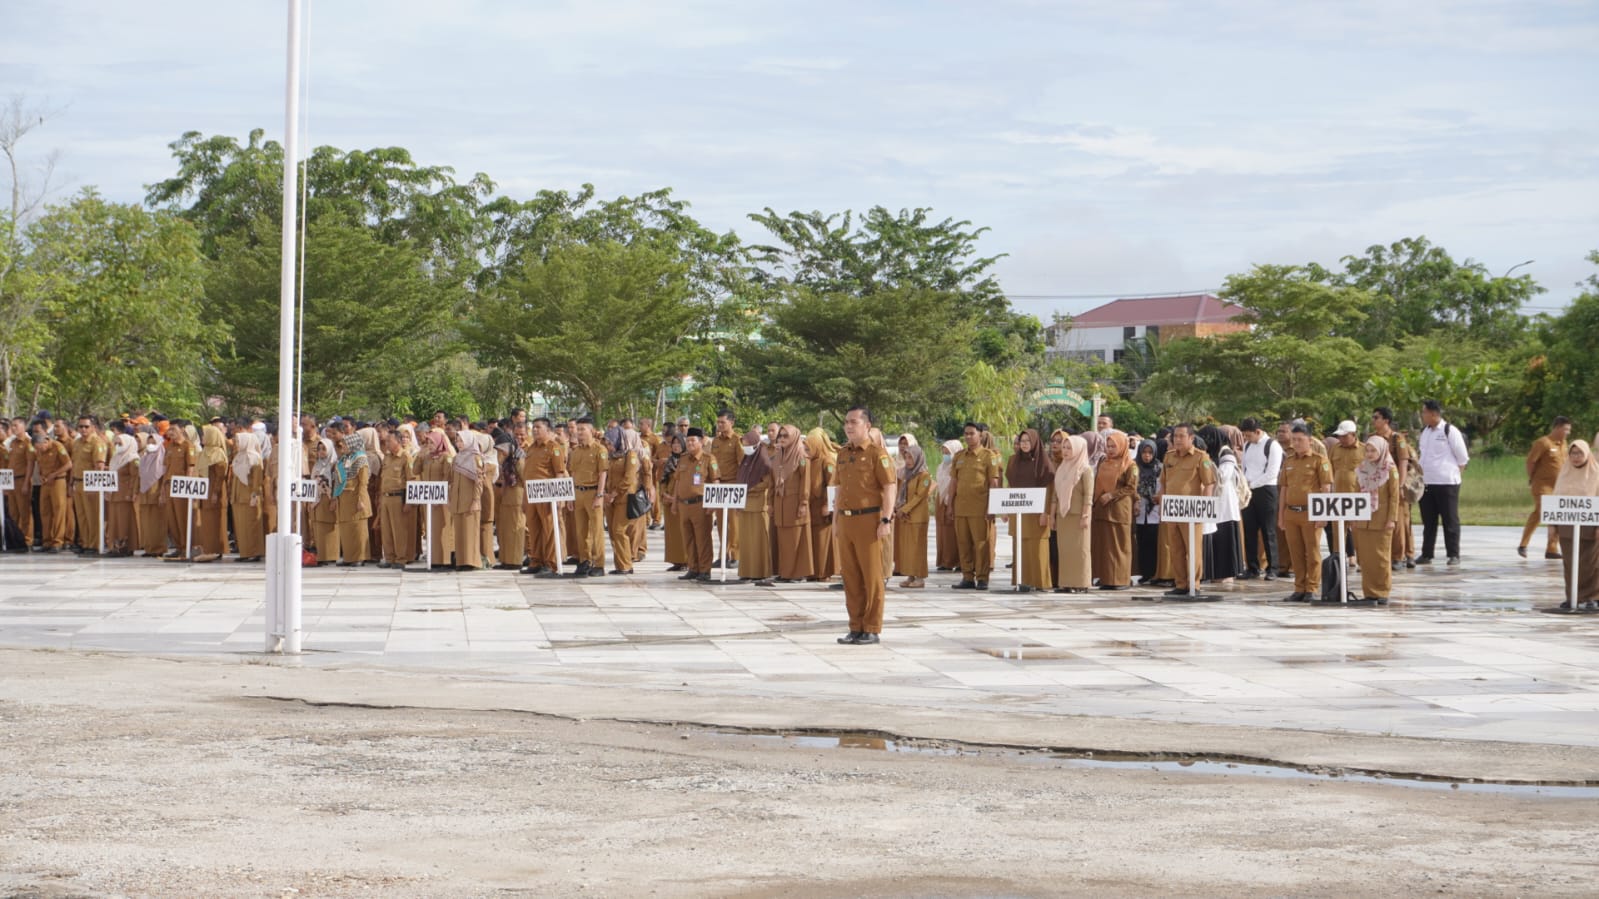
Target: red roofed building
(1101,333)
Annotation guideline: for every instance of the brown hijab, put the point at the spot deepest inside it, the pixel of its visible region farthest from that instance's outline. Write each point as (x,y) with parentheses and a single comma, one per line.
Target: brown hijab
(753,468)
(1115,462)
(1032,468)
(787,458)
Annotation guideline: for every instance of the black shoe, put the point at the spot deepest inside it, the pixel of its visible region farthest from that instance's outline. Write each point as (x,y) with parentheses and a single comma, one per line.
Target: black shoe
(703,576)
(1521,551)
(570,560)
(1175,591)
(532,569)
(981,585)
(1113,586)
(677,568)
(1452,560)
(1553,556)
(621,571)
(1269,576)
(867,640)
(965,585)
(596,572)
(582,569)
(1300,597)
(506,566)
(850,638)
(1422,560)
(1410,563)
(1285,572)
(347,564)
(688,576)
(716,564)
(1249,575)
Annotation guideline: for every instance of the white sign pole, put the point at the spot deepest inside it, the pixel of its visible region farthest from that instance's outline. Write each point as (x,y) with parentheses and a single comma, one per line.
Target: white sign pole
(1339,508)
(725,565)
(7,480)
(1016,550)
(555,519)
(188,534)
(1343,566)
(1576,551)
(1194,548)
(102,522)
(428,511)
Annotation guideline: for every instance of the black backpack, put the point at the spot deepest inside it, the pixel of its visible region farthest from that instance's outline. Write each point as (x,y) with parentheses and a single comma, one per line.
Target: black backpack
(1332,582)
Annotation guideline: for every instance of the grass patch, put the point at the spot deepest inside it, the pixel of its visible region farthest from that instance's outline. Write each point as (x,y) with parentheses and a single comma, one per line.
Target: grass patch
(1494,491)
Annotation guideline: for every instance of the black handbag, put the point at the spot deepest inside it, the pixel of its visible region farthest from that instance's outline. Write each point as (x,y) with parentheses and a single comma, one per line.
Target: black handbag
(638,504)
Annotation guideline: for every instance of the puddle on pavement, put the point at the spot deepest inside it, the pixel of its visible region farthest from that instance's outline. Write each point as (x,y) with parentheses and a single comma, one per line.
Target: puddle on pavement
(1126,761)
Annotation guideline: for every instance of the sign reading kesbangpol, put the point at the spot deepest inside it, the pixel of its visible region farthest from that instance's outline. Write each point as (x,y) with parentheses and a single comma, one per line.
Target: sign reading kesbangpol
(1194,509)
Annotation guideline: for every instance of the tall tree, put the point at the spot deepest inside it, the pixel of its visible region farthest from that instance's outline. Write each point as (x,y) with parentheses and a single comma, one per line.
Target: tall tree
(22,331)
(1418,288)
(375,319)
(602,323)
(120,292)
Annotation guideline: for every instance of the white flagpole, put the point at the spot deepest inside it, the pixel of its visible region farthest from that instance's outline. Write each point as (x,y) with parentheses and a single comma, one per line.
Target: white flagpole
(283,549)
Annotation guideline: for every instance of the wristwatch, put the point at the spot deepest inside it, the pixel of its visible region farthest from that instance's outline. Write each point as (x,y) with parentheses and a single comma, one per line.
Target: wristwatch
(885,520)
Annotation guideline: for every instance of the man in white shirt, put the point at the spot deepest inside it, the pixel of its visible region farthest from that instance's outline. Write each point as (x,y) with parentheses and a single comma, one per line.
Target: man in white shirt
(1262,461)
(1443,461)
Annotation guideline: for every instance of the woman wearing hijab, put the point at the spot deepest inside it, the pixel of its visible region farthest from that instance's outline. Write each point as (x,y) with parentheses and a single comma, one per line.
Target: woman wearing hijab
(911,512)
(325,511)
(1146,513)
(1579,476)
(947,554)
(1224,540)
(1111,537)
(638,528)
(122,531)
(876,436)
(620,483)
(1073,507)
(790,506)
(676,552)
(212,530)
(754,545)
(374,491)
(1030,467)
(353,509)
(485,489)
(249,485)
(821,460)
(1378,476)
(466,501)
(266,438)
(152,512)
(510,501)
(435,464)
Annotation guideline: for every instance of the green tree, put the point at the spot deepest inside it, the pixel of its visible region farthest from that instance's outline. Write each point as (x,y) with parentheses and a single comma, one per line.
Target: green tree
(902,352)
(1570,380)
(119,291)
(23,335)
(1417,288)
(375,319)
(602,323)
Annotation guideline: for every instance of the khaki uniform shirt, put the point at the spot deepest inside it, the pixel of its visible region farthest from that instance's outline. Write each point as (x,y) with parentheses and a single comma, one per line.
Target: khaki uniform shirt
(974,470)
(1544,461)
(624,476)
(693,473)
(52,457)
(1301,476)
(1344,460)
(88,454)
(544,460)
(1187,474)
(586,464)
(863,472)
(727,451)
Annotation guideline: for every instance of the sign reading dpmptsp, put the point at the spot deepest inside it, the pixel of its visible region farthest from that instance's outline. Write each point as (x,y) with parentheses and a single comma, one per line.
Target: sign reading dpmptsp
(1340,507)
(99,482)
(551,490)
(1190,509)
(189,488)
(302,490)
(1574,510)
(427,493)
(726,496)
(1014,500)
(8,481)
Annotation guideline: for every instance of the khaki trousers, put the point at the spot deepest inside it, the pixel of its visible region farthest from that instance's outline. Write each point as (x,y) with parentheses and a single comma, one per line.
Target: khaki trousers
(698,545)
(589,524)
(861,562)
(971,541)
(398,529)
(1175,546)
(1304,555)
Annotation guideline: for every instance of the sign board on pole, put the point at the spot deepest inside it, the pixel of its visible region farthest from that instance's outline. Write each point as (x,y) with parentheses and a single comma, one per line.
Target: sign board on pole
(99,482)
(1193,509)
(1340,507)
(551,490)
(1016,500)
(427,493)
(7,479)
(1569,510)
(726,496)
(303,490)
(189,488)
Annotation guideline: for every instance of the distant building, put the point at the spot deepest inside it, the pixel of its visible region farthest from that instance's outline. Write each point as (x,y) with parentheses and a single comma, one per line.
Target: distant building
(1101,334)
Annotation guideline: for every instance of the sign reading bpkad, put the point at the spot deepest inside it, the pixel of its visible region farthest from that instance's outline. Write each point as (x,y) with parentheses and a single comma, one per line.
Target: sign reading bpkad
(1014,500)
(551,490)
(302,490)
(190,488)
(1190,509)
(726,496)
(99,482)
(1340,507)
(1575,510)
(7,479)
(427,493)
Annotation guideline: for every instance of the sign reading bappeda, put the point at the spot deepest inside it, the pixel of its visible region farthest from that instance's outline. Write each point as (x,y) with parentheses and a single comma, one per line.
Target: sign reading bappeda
(99,482)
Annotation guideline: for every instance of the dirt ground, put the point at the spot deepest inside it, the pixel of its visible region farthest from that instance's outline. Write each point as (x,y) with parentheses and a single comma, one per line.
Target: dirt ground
(123,776)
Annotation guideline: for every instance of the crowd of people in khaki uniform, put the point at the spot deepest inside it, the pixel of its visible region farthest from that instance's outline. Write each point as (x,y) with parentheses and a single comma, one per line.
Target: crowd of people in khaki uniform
(815,509)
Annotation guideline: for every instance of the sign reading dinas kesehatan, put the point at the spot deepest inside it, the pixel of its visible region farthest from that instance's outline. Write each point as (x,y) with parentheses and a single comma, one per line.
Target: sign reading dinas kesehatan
(99,482)
(1195,509)
(551,490)
(1340,507)
(427,493)
(189,488)
(1016,500)
(1571,510)
(726,496)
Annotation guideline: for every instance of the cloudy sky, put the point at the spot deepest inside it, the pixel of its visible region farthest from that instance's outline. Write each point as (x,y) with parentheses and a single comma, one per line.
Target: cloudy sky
(1114,148)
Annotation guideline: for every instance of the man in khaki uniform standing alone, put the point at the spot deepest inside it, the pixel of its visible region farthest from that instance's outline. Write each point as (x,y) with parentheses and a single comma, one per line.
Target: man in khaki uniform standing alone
(867,490)
(974,472)
(1304,472)
(1544,459)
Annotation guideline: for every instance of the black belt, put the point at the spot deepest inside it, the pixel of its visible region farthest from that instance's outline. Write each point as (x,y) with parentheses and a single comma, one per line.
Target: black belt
(1296,508)
(590,487)
(869,510)
(395,493)
(77,480)
(692,500)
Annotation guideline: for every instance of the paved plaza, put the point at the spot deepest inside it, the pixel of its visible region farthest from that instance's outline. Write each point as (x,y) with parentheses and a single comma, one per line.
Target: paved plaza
(1460,653)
